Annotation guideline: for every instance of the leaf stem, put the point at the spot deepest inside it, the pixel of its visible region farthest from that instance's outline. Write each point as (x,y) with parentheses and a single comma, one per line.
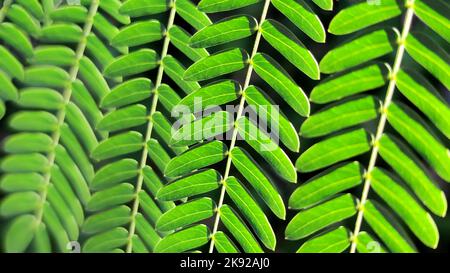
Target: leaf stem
(67,93)
(148,135)
(383,119)
(238,116)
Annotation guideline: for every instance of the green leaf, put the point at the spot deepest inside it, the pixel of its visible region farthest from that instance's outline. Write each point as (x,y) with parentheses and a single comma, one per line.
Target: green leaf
(53,55)
(333,150)
(33,121)
(299,12)
(108,219)
(40,98)
(139,33)
(207,127)
(8,91)
(148,207)
(180,38)
(418,220)
(61,33)
(366,244)
(46,76)
(409,168)
(221,63)
(432,57)
(86,103)
(22,182)
(267,148)
(189,12)
(10,64)
(212,6)
(106,241)
(16,38)
(197,158)
(129,92)
(175,70)
(358,51)
(80,125)
(41,241)
(146,232)
(163,129)
(115,173)
(425,97)
(137,8)
(239,230)
(112,9)
(19,203)
(327,184)
(223,244)
(111,197)
(158,154)
(431,13)
(34,7)
(28,143)
(19,16)
(283,40)
(273,73)
(224,31)
(314,219)
(197,183)
(134,63)
(410,126)
(118,145)
(186,214)
(324,4)
(124,118)
(269,112)
(184,240)
(93,78)
(215,94)
(252,212)
(385,231)
(363,15)
(168,97)
(74,14)
(248,167)
(68,220)
(20,233)
(335,241)
(337,117)
(357,81)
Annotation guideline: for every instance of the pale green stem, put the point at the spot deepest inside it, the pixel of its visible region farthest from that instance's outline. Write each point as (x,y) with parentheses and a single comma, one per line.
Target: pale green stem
(148,135)
(382,123)
(67,93)
(235,131)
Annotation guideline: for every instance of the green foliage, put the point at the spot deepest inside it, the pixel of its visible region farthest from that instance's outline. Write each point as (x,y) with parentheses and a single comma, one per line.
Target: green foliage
(57,79)
(135,104)
(408,189)
(94,154)
(243,215)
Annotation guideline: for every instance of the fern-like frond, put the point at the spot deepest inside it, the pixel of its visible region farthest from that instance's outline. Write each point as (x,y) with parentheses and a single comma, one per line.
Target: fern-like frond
(123,204)
(388,125)
(22,20)
(237,209)
(57,83)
